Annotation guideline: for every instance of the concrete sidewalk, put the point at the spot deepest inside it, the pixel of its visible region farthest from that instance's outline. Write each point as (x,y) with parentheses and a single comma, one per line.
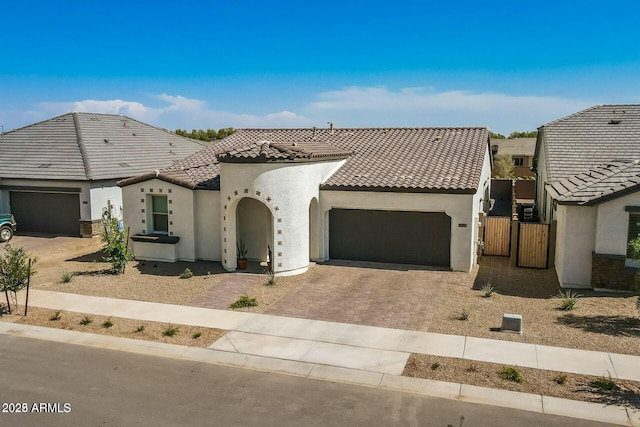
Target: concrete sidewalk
(364,355)
(345,345)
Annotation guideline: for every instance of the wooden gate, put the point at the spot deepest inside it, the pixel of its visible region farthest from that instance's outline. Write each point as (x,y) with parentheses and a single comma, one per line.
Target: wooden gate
(533,245)
(497,235)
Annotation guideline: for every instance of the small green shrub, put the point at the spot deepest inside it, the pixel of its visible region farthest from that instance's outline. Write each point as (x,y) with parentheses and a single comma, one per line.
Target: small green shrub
(464,314)
(435,366)
(605,384)
(170,331)
(487,290)
(139,329)
(56,316)
(511,373)
(66,277)
(186,274)
(560,379)
(107,324)
(271,278)
(196,335)
(568,299)
(244,301)
(86,320)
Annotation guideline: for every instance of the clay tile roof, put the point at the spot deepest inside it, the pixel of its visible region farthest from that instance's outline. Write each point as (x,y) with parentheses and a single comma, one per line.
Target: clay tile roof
(588,138)
(90,146)
(264,151)
(445,160)
(597,185)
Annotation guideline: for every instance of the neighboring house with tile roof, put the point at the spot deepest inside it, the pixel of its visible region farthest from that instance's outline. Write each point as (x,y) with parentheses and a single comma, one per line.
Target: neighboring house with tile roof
(58,175)
(401,195)
(588,180)
(521,151)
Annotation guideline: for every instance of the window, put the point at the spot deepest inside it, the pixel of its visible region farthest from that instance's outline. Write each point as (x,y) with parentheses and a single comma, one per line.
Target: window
(160,214)
(634,232)
(518,161)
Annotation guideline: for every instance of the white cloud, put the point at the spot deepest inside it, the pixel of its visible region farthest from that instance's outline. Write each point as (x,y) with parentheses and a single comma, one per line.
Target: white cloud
(178,112)
(417,106)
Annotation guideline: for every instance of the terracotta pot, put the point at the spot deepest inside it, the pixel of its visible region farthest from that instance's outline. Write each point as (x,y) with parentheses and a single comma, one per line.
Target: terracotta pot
(242,264)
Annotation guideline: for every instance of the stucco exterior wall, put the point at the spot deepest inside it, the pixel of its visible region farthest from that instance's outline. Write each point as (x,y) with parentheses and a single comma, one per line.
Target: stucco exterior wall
(613,225)
(575,243)
(286,189)
(181,208)
(481,201)
(100,193)
(207,223)
(543,201)
(458,206)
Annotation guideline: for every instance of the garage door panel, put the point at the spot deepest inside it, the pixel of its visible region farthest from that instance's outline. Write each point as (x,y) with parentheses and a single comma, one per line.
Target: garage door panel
(422,238)
(46,212)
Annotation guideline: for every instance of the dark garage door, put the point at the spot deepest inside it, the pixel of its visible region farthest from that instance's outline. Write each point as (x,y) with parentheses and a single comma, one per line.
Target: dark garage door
(422,238)
(46,212)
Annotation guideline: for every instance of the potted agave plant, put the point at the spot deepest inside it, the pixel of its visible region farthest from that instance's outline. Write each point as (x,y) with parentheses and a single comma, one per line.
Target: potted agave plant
(241,250)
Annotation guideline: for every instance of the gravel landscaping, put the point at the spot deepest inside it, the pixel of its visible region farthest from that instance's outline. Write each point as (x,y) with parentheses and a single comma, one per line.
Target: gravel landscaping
(536,381)
(192,336)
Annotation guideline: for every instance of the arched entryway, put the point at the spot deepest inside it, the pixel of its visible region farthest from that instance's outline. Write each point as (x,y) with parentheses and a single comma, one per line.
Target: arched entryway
(254,227)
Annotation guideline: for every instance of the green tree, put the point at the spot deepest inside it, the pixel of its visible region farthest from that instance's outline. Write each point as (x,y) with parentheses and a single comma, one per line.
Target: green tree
(205,135)
(15,271)
(496,135)
(115,251)
(525,134)
(503,165)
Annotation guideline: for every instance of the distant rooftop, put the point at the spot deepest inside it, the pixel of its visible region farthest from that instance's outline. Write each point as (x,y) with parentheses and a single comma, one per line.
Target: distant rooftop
(89,146)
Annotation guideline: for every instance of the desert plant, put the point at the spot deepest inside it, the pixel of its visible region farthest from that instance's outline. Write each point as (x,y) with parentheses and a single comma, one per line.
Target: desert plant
(66,277)
(15,270)
(244,301)
(241,250)
(56,316)
(139,329)
(196,335)
(107,324)
(511,373)
(170,331)
(186,274)
(568,299)
(503,165)
(271,278)
(86,320)
(464,314)
(487,290)
(435,366)
(560,379)
(604,384)
(472,368)
(115,250)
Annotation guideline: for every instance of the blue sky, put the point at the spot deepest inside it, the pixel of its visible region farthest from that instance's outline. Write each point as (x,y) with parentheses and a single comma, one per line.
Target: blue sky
(507,65)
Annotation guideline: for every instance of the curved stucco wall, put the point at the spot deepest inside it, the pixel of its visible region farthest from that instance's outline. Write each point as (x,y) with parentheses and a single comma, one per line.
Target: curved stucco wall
(286,189)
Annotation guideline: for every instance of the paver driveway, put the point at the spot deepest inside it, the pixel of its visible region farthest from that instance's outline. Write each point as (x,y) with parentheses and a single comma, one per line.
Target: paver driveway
(387,295)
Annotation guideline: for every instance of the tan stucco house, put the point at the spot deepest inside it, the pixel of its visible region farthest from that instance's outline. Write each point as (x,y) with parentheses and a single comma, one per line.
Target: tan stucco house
(521,151)
(57,176)
(588,180)
(401,195)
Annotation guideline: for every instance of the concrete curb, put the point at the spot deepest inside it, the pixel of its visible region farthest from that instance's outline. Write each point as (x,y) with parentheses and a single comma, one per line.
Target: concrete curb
(462,392)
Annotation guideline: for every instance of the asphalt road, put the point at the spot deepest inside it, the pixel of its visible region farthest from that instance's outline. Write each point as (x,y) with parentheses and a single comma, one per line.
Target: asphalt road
(90,387)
